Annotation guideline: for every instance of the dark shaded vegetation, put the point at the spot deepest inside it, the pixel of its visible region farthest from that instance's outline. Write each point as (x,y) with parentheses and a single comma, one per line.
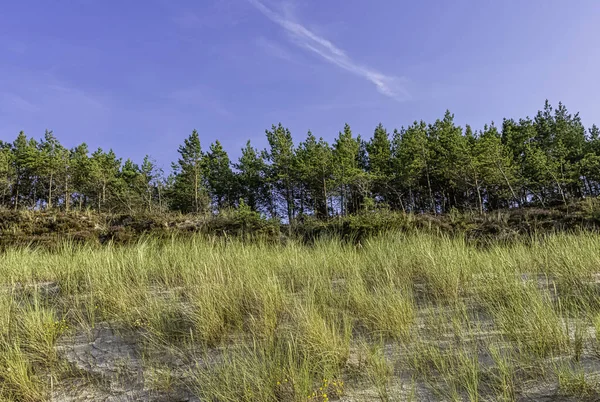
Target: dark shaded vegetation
(48,229)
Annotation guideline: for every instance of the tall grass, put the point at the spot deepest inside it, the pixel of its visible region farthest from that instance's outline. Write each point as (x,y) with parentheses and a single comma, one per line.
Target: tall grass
(285,321)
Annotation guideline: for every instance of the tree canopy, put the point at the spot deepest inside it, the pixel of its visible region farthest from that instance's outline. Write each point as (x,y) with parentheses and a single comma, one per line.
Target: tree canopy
(437,167)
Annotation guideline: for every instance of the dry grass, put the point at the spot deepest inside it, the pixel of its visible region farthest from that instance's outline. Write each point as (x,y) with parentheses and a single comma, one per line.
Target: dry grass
(260,322)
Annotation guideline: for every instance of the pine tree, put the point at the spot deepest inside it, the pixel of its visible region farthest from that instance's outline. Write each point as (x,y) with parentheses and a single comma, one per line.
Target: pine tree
(544,127)
(412,159)
(545,157)
(52,167)
(65,175)
(315,167)
(450,160)
(251,178)
(81,172)
(569,148)
(494,169)
(220,177)
(153,183)
(593,145)
(130,186)
(25,156)
(362,185)
(7,173)
(188,193)
(542,178)
(345,157)
(589,165)
(281,155)
(379,151)
(104,171)
(473,174)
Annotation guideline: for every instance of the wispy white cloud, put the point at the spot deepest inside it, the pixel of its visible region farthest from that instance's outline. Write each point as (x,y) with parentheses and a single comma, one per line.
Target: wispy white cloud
(274,49)
(13,101)
(389,85)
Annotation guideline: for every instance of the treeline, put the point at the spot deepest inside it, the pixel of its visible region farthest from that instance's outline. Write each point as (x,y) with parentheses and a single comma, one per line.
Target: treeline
(424,167)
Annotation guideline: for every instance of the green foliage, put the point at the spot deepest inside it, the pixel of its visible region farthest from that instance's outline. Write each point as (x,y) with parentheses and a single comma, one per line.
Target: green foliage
(379,151)
(219,177)
(412,161)
(346,169)
(315,168)
(103,172)
(188,190)
(251,178)
(281,175)
(435,168)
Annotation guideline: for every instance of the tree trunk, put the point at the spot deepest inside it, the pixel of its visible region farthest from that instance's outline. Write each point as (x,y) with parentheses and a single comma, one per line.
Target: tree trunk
(50,192)
(343,192)
(302,194)
(149,191)
(560,189)
(331,205)
(325,212)
(290,211)
(428,182)
(433,209)
(479,196)
(67,194)
(159,197)
(507,182)
(196,195)
(104,193)
(17,195)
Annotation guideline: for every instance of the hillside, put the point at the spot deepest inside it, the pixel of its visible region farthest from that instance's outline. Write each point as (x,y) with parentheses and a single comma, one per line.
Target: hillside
(49,228)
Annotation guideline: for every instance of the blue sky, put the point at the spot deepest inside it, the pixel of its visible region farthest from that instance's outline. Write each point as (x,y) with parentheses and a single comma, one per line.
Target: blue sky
(139,76)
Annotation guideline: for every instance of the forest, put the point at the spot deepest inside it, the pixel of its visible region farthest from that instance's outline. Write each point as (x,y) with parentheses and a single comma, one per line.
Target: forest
(547,160)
